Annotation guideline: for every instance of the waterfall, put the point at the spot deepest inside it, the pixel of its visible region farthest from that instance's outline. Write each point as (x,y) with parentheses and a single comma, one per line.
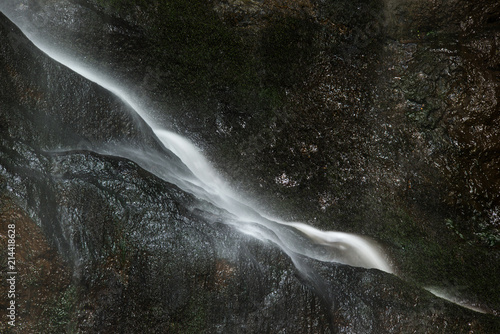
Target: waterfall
(295,239)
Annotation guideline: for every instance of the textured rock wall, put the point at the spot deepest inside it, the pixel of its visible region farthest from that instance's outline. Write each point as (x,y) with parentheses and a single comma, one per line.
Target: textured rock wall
(377,118)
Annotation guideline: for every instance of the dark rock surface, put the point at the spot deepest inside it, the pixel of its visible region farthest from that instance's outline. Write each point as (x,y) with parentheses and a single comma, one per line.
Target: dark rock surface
(378,118)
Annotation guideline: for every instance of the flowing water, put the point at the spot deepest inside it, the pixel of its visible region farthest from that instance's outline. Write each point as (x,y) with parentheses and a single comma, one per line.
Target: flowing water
(203,182)
(195,175)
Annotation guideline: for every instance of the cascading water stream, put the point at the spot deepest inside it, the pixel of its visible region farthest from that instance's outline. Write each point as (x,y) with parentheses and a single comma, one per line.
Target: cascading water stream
(293,238)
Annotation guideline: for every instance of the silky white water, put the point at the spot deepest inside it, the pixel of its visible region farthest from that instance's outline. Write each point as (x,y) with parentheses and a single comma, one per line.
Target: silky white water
(324,246)
(454,298)
(293,238)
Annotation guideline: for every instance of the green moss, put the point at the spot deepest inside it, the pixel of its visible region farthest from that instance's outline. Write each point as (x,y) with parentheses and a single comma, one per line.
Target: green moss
(193,318)
(59,313)
(450,224)
(492,239)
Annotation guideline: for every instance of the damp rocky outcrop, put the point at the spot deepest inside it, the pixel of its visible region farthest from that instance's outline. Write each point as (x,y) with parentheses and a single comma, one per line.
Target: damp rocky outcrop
(378,118)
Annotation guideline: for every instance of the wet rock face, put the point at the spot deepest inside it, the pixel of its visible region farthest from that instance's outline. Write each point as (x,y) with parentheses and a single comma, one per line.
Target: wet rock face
(372,302)
(446,88)
(141,254)
(377,118)
(43,282)
(151,263)
(54,114)
(448,78)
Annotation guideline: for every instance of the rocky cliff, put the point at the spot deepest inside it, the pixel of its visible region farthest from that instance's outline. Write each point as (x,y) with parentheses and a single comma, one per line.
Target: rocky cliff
(376,118)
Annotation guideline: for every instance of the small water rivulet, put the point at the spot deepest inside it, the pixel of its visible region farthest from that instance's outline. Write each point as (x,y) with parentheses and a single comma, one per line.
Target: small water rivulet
(200,179)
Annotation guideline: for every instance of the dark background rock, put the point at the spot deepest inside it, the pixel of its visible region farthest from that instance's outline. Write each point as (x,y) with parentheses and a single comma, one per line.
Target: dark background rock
(378,118)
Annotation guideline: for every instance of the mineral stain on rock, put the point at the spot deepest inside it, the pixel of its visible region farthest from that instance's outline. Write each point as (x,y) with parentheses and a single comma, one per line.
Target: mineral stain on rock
(43,289)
